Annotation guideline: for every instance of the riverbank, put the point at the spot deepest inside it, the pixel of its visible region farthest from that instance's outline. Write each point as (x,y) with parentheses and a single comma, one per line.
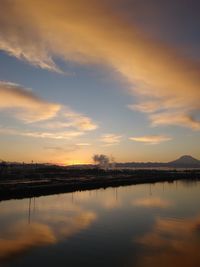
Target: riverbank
(56,182)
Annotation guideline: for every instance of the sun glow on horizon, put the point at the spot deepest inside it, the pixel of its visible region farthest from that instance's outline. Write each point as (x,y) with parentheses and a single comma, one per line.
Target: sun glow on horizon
(76,162)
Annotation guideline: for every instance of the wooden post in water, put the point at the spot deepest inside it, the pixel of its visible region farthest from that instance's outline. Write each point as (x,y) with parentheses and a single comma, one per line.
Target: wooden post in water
(29,211)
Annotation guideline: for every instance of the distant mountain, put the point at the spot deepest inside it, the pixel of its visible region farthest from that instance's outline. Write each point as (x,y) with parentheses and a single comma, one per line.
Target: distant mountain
(185,161)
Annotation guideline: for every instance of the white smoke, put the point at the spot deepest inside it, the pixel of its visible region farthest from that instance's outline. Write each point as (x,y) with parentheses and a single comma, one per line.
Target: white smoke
(101,160)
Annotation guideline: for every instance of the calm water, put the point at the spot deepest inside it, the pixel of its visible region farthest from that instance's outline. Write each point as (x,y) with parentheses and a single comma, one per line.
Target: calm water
(139,225)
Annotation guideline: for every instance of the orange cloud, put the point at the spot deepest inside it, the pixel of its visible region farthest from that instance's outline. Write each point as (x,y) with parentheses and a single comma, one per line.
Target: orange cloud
(24,104)
(175,118)
(90,32)
(111,139)
(151,139)
(80,121)
(51,135)
(83,144)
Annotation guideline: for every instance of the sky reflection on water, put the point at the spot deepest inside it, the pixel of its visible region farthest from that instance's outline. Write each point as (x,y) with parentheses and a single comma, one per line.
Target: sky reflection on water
(139,225)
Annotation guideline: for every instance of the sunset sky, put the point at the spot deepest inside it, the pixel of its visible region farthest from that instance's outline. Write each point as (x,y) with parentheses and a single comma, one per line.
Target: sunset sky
(80,77)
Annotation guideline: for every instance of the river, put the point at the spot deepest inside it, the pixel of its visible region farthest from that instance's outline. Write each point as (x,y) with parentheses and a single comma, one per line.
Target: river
(139,225)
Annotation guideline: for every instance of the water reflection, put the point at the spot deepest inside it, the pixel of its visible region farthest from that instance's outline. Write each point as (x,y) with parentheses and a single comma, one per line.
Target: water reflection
(142,225)
(172,243)
(20,237)
(149,202)
(43,228)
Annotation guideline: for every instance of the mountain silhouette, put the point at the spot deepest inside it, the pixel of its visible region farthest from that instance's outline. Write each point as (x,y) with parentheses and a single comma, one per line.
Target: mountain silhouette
(185,161)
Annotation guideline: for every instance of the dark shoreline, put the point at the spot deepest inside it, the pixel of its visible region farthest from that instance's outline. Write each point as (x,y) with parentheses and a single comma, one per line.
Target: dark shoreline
(87,180)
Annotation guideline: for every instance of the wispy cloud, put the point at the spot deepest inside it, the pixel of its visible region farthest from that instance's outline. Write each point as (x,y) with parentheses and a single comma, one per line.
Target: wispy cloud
(62,149)
(151,139)
(83,144)
(26,106)
(111,139)
(87,32)
(36,134)
(69,119)
(175,118)
(80,121)
(66,147)
(54,148)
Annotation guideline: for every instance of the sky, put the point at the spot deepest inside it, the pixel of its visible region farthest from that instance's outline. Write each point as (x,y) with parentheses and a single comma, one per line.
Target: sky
(85,77)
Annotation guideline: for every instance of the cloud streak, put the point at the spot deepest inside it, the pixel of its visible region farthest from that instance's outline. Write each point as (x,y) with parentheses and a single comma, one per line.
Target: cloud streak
(91,32)
(26,106)
(111,139)
(175,118)
(80,121)
(36,134)
(83,144)
(70,119)
(151,139)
